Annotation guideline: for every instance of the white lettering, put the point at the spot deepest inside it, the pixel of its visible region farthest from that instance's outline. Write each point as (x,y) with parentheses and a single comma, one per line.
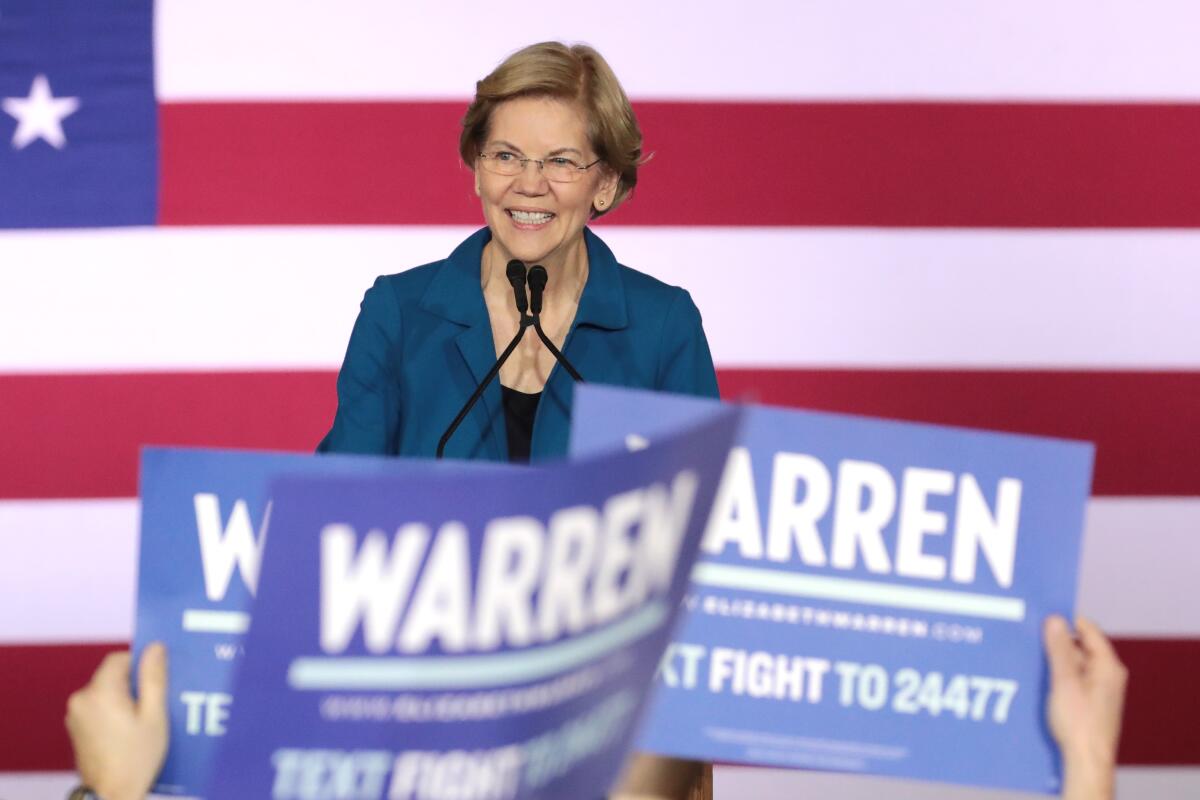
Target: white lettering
(573,536)
(790,520)
(976,527)
(440,608)
(917,521)
(329,774)
(663,528)
(457,774)
(857,526)
(610,598)
(224,548)
(734,518)
(206,712)
(370,589)
(508,574)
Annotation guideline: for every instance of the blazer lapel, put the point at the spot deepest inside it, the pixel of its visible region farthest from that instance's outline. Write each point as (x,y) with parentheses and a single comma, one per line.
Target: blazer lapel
(602,305)
(455,295)
(478,350)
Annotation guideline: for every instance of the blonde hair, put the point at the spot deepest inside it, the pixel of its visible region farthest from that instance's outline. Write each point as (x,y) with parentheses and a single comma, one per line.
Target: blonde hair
(576,74)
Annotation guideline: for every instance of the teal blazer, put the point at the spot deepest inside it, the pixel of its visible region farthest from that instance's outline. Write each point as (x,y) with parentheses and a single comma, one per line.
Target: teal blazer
(423,342)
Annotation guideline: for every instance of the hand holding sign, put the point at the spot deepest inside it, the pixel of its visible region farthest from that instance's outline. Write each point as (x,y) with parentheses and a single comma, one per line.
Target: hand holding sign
(119,742)
(1087,695)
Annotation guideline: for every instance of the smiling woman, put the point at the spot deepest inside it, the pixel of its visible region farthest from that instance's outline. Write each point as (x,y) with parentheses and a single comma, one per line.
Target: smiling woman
(553,143)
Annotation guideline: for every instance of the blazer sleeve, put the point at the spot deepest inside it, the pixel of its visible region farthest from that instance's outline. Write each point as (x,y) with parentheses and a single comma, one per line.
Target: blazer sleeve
(368,387)
(685,363)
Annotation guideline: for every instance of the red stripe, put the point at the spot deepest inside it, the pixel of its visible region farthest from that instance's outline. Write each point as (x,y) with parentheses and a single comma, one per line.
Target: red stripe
(35,681)
(1162,704)
(1146,425)
(78,435)
(871,164)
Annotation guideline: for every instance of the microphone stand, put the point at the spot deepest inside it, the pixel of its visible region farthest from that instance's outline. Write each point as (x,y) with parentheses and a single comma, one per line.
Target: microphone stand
(530,310)
(537,285)
(516,276)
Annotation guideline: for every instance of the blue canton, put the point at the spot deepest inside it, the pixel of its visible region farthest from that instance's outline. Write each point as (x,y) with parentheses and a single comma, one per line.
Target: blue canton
(78,118)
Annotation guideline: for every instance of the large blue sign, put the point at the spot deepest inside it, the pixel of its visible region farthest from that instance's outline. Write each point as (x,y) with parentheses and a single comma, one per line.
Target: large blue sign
(869,595)
(482,636)
(205,516)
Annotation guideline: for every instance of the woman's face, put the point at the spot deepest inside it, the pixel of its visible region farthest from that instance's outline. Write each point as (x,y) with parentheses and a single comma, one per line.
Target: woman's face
(531,218)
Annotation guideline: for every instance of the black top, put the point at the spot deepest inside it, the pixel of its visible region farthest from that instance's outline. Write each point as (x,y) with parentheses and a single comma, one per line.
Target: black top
(519,410)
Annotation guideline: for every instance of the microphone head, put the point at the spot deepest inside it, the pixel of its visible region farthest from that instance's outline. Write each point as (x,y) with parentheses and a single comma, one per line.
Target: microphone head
(538,277)
(516,276)
(537,284)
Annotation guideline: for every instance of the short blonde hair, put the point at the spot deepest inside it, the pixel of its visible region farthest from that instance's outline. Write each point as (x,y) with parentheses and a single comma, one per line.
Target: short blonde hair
(576,74)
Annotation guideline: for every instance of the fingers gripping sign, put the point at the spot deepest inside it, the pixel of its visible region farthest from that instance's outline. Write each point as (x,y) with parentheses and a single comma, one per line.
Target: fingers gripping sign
(120,741)
(1087,697)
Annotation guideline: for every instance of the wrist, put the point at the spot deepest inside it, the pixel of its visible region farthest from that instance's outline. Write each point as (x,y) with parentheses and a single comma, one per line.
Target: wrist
(103,791)
(1089,776)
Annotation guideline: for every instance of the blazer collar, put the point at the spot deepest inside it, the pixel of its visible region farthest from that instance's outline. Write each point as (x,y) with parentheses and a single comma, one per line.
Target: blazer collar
(603,300)
(454,293)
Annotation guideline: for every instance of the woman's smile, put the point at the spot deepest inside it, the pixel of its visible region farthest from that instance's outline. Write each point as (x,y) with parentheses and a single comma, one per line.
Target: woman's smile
(528,219)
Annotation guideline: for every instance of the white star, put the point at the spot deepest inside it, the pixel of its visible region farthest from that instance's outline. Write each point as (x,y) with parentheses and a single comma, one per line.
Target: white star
(40,115)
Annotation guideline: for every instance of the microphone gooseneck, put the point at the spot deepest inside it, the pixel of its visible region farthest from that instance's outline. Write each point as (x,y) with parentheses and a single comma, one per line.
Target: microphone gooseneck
(530,310)
(538,278)
(516,276)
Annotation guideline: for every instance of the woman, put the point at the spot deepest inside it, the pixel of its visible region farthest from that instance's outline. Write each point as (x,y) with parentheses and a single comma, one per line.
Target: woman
(553,143)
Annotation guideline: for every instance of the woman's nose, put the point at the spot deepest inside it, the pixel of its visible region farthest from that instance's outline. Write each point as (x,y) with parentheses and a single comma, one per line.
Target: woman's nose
(531,180)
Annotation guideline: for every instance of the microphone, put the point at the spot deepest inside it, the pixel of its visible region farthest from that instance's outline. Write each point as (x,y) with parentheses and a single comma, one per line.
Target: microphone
(538,277)
(516,276)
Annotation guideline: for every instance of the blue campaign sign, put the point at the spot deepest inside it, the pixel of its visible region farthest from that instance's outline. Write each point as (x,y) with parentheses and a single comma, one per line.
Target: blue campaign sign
(869,595)
(204,524)
(484,636)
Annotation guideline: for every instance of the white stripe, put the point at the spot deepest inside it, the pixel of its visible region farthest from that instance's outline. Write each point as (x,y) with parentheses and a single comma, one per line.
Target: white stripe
(511,667)
(41,785)
(1081,49)
(1140,557)
(1160,783)
(846,590)
(69,568)
(283,298)
(203,620)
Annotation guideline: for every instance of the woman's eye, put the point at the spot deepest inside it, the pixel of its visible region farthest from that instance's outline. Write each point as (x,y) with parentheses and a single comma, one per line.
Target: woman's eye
(504,155)
(560,161)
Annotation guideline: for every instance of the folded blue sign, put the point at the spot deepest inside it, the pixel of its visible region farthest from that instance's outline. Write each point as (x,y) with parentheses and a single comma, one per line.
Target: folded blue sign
(452,636)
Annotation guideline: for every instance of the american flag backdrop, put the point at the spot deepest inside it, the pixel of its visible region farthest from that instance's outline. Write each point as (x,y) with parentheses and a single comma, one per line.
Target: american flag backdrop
(983,214)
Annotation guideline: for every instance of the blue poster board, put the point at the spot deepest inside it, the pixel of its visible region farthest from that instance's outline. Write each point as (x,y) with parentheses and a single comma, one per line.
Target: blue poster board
(487,635)
(204,523)
(869,595)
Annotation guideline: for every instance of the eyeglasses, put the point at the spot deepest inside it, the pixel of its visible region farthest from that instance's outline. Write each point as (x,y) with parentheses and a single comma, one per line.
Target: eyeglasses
(559,169)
